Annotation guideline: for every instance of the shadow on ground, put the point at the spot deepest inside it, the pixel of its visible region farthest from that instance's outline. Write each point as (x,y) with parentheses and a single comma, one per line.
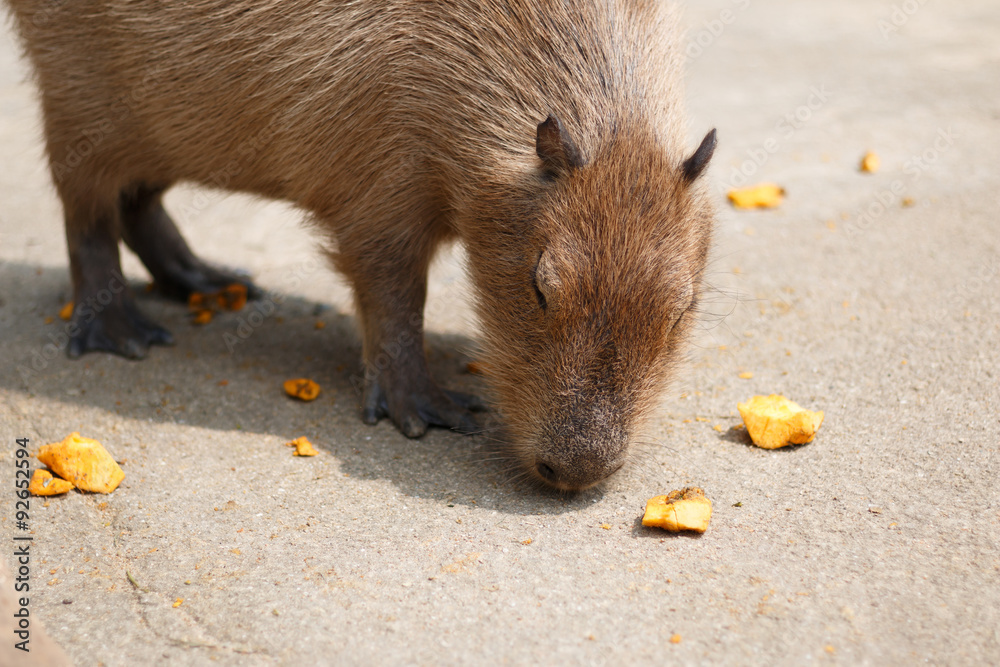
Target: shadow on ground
(227,376)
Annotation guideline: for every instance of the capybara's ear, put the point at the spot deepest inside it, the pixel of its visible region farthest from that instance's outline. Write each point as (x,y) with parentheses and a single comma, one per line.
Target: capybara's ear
(694,165)
(556,148)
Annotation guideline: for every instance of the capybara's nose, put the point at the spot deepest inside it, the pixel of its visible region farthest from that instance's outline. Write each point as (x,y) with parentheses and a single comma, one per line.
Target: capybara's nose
(577,475)
(546,472)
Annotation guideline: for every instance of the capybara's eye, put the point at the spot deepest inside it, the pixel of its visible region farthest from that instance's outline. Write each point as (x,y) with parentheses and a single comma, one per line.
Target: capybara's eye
(538,295)
(545,281)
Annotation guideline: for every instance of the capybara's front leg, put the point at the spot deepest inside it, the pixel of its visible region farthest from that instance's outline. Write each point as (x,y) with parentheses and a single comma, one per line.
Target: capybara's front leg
(390,283)
(105,317)
(153,236)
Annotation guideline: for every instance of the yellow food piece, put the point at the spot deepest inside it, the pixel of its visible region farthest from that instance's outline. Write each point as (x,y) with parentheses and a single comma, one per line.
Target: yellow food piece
(774,421)
(196,301)
(66,312)
(233,297)
(203,317)
(178,602)
(870,163)
(686,509)
(83,462)
(44,484)
(302,389)
(765,195)
(746,375)
(676,639)
(302,447)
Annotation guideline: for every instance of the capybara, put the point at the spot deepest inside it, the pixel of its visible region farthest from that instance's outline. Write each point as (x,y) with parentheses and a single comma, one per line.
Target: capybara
(547,136)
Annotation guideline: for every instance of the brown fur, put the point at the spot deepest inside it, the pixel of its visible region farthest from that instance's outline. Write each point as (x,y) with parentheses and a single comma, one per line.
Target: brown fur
(400,124)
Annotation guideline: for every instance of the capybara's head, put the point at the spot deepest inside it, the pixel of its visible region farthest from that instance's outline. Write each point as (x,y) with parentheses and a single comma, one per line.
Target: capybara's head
(587,298)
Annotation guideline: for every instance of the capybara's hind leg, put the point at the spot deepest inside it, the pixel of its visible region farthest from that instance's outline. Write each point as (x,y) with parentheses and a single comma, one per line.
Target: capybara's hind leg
(177,272)
(105,317)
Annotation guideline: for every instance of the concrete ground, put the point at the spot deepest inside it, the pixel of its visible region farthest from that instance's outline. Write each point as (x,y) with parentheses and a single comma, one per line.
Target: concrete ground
(876,544)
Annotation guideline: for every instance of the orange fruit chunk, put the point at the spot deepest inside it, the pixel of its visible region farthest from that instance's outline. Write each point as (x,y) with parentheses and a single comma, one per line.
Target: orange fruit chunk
(196,301)
(44,484)
(302,447)
(302,389)
(870,163)
(233,297)
(83,462)
(66,312)
(686,509)
(774,421)
(765,195)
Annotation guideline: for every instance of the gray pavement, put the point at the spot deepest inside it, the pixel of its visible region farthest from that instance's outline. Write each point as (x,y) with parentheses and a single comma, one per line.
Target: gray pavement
(876,544)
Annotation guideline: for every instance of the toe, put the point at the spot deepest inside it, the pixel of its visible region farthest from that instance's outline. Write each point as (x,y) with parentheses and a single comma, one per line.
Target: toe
(412,426)
(372,403)
(132,348)
(467,401)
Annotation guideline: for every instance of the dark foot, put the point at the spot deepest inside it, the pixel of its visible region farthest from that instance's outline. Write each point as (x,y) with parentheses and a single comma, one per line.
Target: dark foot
(467,401)
(182,281)
(176,271)
(105,318)
(119,328)
(413,411)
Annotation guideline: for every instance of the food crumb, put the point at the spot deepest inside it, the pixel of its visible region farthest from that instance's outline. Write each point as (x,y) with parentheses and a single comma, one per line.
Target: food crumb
(764,195)
(302,389)
(675,639)
(606,526)
(178,602)
(746,375)
(66,312)
(44,484)
(232,297)
(870,163)
(302,447)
